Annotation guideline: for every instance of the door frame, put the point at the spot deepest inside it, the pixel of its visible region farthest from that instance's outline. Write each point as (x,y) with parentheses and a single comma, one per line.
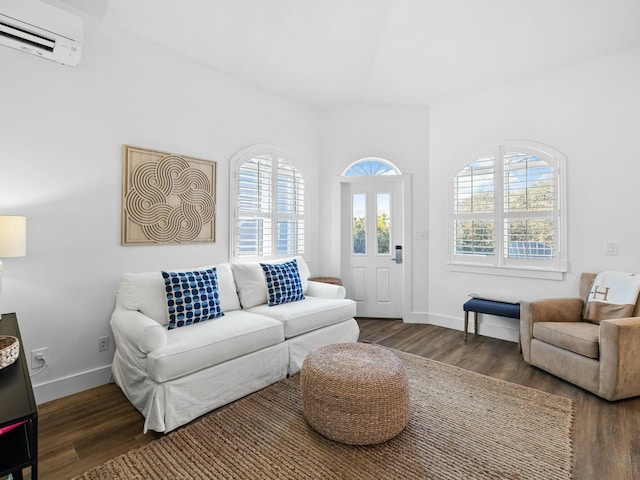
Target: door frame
(407,244)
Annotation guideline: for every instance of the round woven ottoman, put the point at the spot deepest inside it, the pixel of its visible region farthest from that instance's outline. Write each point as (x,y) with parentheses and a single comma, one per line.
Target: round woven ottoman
(355,393)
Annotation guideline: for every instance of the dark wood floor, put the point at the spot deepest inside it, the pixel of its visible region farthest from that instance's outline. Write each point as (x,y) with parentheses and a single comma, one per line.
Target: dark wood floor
(83,430)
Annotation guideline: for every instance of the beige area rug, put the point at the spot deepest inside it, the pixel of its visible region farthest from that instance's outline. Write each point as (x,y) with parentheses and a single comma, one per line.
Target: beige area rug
(463,426)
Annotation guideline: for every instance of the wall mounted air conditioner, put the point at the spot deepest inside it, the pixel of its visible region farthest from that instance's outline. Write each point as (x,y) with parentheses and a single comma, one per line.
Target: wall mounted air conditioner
(40,29)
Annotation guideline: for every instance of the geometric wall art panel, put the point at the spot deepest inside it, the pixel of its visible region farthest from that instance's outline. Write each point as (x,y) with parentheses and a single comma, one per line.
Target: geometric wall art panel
(167,198)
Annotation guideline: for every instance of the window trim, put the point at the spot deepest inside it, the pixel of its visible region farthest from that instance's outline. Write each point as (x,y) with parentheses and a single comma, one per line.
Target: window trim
(496,264)
(239,159)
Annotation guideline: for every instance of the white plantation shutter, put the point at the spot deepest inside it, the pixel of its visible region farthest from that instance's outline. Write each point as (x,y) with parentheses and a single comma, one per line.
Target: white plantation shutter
(269,210)
(253,217)
(290,209)
(474,207)
(530,218)
(507,206)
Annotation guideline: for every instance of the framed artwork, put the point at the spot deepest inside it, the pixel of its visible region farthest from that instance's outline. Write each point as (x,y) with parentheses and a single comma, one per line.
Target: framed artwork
(167,198)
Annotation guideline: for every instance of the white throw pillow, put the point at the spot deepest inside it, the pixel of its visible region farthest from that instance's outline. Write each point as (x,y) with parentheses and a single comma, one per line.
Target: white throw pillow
(227,287)
(251,285)
(145,292)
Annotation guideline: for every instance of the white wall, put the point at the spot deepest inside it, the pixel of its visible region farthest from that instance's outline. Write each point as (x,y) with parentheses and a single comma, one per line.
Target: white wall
(61,136)
(397,133)
(588,112)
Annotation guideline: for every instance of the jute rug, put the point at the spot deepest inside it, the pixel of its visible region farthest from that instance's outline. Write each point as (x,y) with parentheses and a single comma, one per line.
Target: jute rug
(463,426)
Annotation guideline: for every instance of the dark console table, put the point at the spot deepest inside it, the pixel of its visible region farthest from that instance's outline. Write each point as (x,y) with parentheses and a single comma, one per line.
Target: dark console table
(18,446)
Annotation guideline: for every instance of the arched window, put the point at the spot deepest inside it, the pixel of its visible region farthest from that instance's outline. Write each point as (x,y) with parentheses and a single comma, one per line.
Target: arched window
(268,217)
(506,208)
(370,167)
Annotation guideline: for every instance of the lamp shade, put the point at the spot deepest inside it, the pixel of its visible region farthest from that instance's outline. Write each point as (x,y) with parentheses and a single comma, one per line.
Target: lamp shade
(13,236)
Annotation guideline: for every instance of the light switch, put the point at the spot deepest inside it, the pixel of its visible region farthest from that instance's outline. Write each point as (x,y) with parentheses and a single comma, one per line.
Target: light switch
(611,247)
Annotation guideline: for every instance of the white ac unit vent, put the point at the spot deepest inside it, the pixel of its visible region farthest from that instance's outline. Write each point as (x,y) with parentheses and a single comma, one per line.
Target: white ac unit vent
(40,29)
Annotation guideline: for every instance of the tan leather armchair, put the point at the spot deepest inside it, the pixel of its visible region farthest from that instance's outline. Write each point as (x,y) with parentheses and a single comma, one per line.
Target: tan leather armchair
(602,358)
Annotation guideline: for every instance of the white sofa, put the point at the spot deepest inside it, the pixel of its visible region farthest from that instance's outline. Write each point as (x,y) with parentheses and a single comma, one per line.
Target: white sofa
(174,376)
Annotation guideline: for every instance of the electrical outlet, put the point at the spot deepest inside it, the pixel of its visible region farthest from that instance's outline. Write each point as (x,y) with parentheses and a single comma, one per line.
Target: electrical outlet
(103,344)
(38,358)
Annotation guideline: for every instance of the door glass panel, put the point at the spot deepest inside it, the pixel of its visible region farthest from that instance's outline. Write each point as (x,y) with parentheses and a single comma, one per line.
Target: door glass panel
(359,227)
(383,222)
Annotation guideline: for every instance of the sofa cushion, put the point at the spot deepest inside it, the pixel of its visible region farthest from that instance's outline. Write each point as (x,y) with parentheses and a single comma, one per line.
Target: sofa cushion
(227,287)
(283,282)
(251,285)
(577,337)
(308,314)
(192,297)
(145,292)
(205,344)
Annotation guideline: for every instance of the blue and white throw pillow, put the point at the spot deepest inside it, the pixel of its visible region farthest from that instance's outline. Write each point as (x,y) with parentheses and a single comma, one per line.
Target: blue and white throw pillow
(283,282)
(192,297)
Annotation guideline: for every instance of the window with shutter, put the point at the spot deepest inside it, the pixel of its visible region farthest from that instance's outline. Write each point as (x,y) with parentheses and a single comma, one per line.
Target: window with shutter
(269,212)
(507,205)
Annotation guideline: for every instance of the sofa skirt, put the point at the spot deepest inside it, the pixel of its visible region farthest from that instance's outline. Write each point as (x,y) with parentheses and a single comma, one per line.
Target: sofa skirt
(168,405)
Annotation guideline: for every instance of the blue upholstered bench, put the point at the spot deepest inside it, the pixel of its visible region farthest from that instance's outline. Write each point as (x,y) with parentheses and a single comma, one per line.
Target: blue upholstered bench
(491,307)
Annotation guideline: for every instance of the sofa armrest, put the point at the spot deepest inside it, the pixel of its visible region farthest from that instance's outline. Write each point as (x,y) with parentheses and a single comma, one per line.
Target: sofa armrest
(546,310)
(620,358)
(134,330)
(325,290)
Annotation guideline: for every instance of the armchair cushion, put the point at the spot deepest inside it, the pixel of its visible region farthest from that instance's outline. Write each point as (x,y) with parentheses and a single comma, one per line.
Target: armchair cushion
(578,337)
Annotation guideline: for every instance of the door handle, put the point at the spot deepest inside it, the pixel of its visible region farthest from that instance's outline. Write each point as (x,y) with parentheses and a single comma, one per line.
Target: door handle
(398,258)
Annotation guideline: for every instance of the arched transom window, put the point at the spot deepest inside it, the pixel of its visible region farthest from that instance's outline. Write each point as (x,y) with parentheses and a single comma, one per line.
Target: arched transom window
(370,167)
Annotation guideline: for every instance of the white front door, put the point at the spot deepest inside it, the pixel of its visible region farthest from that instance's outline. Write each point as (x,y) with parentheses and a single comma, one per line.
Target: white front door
(371,244)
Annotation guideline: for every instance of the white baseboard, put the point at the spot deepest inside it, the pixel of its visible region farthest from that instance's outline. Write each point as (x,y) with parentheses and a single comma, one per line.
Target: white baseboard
(486,326)
(61,387)
(416,317)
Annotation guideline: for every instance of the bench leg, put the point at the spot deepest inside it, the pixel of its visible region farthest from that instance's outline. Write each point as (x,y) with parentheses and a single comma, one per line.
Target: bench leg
(466,324)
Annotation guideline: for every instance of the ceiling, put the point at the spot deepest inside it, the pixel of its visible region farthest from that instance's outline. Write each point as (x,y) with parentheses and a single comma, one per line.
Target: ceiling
(328,53)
